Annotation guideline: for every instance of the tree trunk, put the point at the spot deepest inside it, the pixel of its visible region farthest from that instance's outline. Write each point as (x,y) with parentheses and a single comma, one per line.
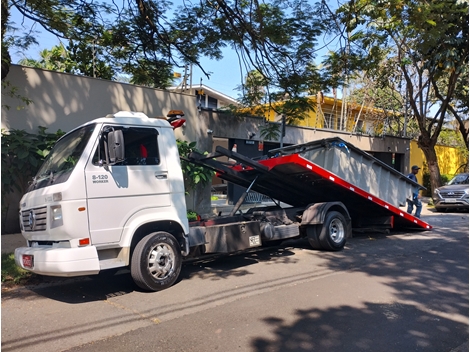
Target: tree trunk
(427,146)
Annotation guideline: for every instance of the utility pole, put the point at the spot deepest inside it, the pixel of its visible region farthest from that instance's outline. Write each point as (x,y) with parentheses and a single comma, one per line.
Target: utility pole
(93,54)
(405,120)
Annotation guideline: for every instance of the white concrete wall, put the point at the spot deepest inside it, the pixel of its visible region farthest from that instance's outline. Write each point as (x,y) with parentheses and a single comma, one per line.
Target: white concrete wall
(64,101)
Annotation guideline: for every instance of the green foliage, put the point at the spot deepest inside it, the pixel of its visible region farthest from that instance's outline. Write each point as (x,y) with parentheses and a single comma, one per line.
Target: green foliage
(194,175)
(6,59)
(144,40)
(419,49)
(270,132)
(78,58)
(22,155)
(12,91)
(192,215)
(12,272)
(253,90)
(427,183)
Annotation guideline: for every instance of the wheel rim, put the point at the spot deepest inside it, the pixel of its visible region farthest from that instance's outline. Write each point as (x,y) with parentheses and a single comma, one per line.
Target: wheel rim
(161,261)
(336,231)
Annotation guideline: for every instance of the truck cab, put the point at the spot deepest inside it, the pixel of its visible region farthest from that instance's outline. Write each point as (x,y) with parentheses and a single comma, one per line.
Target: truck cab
(104,187)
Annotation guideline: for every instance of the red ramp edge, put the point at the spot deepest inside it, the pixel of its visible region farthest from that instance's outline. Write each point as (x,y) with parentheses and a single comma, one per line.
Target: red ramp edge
(400,215)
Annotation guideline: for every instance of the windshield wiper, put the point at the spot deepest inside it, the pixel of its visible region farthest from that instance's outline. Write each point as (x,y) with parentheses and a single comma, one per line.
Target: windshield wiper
(51,176)
(48,173)
(33,183)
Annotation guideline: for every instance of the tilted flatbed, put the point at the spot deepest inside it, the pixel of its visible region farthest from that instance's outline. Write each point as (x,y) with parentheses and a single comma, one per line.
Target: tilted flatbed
(290,177)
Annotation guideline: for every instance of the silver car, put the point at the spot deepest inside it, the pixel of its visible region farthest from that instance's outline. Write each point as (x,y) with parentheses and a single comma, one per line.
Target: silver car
(453,195)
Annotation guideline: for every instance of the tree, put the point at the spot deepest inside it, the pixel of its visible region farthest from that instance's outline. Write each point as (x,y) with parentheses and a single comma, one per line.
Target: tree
(276,38)
(79,59)
(6,59)
(426,42)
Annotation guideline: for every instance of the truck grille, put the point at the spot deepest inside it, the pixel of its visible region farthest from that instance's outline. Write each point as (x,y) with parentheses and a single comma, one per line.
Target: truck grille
(452,194)
(34,219)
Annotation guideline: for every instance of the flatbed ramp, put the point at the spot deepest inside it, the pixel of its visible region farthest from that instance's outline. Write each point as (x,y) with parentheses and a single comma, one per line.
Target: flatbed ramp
(293,176)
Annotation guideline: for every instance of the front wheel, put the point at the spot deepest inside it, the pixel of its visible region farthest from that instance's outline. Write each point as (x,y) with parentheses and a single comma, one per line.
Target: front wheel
(156,261)
(313,236)
(334,231)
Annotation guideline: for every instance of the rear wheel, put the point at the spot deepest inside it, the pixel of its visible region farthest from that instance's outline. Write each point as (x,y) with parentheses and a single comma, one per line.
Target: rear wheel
(334,231)
(156,261)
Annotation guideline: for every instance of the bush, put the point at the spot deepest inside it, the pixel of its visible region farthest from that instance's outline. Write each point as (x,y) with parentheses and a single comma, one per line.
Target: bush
(22,155)
(11,272)
(192,215)
(427,183)
(193,174)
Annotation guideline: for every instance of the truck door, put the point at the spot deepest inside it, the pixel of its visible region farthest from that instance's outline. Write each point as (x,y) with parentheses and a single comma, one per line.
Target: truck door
(117,192)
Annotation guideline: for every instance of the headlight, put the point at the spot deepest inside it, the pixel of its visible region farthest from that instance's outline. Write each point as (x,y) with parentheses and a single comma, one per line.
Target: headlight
(437,191)
(56,216)
(21,222)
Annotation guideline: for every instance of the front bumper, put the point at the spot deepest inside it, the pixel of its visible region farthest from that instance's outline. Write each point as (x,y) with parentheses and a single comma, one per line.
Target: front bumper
(440,203)
(65,262)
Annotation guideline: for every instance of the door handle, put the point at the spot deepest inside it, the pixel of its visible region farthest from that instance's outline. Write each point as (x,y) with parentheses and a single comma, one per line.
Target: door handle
(161,176)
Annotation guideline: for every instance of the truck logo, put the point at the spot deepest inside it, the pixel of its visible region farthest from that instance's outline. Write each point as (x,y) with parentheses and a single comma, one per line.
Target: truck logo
(32,220)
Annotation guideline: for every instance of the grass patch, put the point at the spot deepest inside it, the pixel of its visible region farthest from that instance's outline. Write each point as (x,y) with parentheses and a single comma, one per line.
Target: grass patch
(12,273)
(214,198)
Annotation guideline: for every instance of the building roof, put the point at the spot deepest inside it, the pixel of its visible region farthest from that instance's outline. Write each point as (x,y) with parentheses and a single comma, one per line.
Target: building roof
(208,91)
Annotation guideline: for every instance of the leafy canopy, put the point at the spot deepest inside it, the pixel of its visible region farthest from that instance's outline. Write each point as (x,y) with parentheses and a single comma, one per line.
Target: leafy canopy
(141,39)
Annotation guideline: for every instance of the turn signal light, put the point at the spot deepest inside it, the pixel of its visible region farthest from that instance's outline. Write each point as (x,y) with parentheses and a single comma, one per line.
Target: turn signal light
(84,242)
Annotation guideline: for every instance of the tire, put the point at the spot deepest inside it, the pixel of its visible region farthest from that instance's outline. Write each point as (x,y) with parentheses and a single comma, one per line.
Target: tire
(156,261)
(313,236)
(334,232)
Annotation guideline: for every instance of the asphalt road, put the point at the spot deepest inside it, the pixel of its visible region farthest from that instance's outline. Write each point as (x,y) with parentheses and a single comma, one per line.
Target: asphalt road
(406,291)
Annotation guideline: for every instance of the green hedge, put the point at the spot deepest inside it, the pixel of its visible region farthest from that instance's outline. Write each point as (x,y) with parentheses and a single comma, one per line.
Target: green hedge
(427,183)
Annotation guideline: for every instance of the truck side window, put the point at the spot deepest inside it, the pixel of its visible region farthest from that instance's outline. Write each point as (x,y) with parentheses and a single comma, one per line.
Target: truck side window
(141,147)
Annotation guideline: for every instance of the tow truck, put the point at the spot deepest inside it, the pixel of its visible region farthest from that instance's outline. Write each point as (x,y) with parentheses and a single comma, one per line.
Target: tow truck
(111,195)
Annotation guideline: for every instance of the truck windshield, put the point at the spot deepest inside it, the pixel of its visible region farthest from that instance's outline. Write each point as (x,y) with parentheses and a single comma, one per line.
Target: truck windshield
(62,159)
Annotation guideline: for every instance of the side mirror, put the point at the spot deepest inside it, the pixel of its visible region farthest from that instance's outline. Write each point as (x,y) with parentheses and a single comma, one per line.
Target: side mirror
(113,142)
(116,146)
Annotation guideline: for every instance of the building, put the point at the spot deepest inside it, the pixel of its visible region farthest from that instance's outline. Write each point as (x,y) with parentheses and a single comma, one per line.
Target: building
(206,97)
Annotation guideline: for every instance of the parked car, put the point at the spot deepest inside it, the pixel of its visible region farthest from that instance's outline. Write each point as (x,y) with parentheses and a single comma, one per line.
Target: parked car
(453,195)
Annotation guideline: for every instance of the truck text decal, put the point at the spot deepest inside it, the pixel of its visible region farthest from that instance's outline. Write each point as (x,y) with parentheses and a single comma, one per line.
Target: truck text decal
(100,178)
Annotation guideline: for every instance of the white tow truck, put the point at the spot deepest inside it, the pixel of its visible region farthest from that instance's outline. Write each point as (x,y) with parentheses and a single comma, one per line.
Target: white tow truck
(110,195)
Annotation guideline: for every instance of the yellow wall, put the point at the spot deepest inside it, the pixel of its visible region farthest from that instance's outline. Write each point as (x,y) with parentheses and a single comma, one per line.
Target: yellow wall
(449,159)
(325,106)
(416,158)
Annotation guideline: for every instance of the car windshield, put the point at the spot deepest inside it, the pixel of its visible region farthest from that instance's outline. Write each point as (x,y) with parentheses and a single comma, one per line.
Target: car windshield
(63,157)
(460,179)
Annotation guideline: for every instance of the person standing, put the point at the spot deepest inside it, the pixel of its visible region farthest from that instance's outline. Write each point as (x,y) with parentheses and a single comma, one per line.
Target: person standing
(415,200)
